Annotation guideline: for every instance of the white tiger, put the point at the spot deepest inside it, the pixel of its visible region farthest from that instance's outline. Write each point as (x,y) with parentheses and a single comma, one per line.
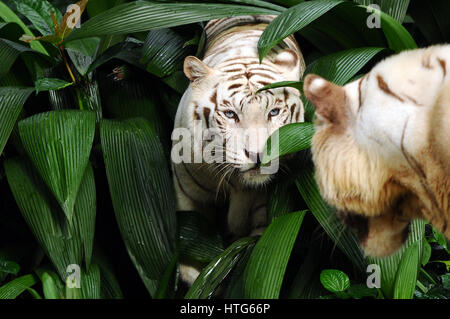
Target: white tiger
(222,96)
(381,147)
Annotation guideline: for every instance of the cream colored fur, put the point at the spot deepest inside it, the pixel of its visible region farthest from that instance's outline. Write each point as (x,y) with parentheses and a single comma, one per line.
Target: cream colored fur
(381,147)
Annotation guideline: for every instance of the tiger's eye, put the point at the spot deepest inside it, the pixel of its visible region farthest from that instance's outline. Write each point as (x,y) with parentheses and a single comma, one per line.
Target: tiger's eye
(274,112)
(230,114)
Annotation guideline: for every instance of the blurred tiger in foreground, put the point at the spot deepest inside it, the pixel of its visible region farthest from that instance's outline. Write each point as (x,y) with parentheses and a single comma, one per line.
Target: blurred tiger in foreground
(382,146)
(222,98)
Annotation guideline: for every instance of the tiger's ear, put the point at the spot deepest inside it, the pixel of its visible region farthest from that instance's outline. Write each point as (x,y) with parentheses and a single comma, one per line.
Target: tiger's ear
(288,60)
(195,69)
(328,98)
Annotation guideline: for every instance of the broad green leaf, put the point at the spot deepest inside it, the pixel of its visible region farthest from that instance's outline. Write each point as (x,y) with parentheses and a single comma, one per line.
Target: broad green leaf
(90,283)
(9,267)
(199,239)
(334,280)
(9,16)
(265,270)
(288,139)
(294,84)
(291,21)
(16,287)
(82,53)
(235,283)
(361,291)
(95,7)
(164,52)
(280,201)
(138,16)
(12,100)
(326,216)
(426,253)
(133,92)
(85,210)
(59,144)
(62,244)
(49,286)
(397,36)
(48,84)
(218,269)
(39,13)
(305,284)
(128,51)
(110,288)
(259,3)
(142,195)
(405,281)
(9,52)
(446,281)
(342,66)
(392,274)
(395,8)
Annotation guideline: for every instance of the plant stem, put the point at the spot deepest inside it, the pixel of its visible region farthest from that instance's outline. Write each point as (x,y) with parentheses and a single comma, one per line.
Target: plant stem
(61,49)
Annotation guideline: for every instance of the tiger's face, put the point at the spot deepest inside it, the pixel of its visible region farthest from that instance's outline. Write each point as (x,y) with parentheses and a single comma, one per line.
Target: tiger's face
(226,101)
(355,179)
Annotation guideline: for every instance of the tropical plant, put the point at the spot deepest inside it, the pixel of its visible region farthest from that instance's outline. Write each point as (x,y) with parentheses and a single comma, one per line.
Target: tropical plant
(87,206)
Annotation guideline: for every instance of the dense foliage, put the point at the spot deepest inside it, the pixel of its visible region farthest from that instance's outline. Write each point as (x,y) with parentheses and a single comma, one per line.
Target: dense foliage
(85,122)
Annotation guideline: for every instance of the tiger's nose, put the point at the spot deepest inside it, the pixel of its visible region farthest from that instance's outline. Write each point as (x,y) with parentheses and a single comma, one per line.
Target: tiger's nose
(254,157)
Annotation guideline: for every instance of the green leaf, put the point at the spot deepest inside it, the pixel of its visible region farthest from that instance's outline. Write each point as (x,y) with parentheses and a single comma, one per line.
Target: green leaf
(399,273)
(39,13)
(405,281)
(291,21)
(326,216)
(110,288)
(294,84)
(342,66)
(334,280)
(59,144)
(128,51)
(164,52)
(95,7)
(218,269)
(446,281)
(199,239)
(265,270)
(9,16)
(48,84)
(12,100)
(9,267)
(289,139)
(49,286)
(361,291)
(142,195)
(259,3)
(90,283)
(82,53)
(138,16)
(16,287)
(426,253)
(62,244)
(280,201)
(395,8)
(9,52)
(397,36)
